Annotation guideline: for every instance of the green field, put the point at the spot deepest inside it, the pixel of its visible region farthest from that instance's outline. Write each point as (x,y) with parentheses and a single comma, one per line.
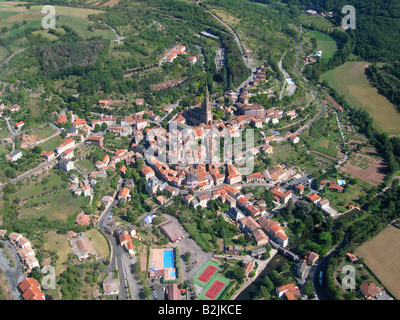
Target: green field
(325,42)
(42,133)
(350,80)
(17,19)
(327,147)
(51,199)
(51,144)
(316,20)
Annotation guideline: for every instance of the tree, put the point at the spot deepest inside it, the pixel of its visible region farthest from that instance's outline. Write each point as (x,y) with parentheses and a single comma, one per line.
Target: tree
(104,126)
(97,127)
(37,150)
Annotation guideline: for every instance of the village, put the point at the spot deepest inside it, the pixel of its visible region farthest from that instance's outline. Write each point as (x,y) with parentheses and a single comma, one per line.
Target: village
(182,164)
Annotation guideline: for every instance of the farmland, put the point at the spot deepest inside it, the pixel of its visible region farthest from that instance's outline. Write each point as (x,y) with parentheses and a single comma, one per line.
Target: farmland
(47,198)
(325,43)
(383,258)
(350,80)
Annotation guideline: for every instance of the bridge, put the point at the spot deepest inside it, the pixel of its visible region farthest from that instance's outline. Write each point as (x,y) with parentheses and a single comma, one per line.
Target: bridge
(285,252)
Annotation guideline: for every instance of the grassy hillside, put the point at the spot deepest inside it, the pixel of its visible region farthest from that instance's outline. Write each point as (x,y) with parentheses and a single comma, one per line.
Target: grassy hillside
(350,80)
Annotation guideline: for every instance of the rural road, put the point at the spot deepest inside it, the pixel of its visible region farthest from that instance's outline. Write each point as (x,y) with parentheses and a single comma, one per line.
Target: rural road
(13,274)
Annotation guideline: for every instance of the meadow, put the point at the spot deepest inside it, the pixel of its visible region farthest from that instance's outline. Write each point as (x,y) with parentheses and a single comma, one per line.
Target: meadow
(383,258)
(350,80)
(325,42)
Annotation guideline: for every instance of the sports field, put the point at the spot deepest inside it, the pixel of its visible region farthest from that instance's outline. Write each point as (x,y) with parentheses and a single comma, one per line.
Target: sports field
(350,80)
(382,256)
(208,278)
(215,288)
(206,273)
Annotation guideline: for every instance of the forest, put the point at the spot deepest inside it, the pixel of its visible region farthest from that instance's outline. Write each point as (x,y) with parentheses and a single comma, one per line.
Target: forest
(386,80)
(377,25)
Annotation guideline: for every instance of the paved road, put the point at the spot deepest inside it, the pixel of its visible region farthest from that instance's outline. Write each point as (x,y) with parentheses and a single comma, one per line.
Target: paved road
(13,274)
(321,290)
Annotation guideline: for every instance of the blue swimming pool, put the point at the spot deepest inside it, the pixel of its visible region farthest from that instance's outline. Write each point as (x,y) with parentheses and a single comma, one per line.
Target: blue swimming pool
(168,259)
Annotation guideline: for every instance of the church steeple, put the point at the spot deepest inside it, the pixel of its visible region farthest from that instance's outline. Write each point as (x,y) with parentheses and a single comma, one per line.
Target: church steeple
(207,108)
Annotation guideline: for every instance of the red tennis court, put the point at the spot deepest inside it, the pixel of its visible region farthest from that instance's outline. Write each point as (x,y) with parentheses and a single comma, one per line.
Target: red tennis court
(214,290)
(207,273)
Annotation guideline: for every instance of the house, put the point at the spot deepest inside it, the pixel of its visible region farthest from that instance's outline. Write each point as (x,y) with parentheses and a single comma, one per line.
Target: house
(141,124)
(126,241)
(13,237)
(192,59)
(147,172)
(79,123)
(369,290)
(311,258)
(84,248)
(48,156)
(333,186)
(19,125)
(152,185)
(313,197)
(66,165)
(111,285)
(68,144)
(267,149)
(273,230)
(294,139)
(234,176)
(97,141)
(299,189)
(352,257)
(302,269)
(188,199)
(233,250)
(249,225)
(14,156)
(122,169)
(257,177)
(106,200)
(31,262)
(203,199)
(290,291)
(323,204)
(82,219)
(124,195)
(23,242)
(67,154)
(14,108)
(30,289)
(26,252)
(172,191)
(277,174)
(161,200)
(61,120)
(2,233)
(248,267)
(281,195)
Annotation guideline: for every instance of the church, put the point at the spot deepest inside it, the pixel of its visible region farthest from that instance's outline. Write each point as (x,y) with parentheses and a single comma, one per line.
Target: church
(203,114)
